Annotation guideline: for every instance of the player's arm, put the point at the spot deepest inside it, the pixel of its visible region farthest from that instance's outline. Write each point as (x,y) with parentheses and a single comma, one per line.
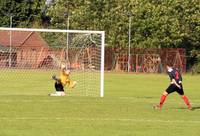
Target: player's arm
(172,78)
(67,72)
(55,78)
(174,82)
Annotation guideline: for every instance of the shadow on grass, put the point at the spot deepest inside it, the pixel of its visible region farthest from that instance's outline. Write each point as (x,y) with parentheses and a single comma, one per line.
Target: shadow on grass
(145,97)
(193,108)
(196,108)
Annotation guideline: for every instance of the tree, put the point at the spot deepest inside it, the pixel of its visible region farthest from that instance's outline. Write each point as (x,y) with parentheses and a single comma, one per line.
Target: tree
(23,12)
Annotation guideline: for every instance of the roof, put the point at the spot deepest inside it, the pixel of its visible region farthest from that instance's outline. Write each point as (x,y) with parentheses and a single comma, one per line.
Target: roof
(22,38)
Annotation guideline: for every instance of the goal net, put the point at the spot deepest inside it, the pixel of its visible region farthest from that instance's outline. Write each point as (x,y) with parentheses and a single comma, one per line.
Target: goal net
(29,58)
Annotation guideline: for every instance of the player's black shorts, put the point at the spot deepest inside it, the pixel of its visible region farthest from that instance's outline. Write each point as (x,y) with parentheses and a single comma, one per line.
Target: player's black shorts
(173,88)
(59,86)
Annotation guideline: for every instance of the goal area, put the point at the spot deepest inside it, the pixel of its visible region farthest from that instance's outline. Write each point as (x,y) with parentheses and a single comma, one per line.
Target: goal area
(29,58)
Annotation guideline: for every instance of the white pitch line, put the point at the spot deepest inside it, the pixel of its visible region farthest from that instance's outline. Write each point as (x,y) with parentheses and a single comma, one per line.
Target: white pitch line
(104,119)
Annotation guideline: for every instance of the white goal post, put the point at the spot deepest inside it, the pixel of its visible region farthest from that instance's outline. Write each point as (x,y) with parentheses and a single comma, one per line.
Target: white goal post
(27,49)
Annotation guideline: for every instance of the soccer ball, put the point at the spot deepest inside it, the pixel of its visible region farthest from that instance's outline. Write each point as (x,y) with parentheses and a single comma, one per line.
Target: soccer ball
(63,66)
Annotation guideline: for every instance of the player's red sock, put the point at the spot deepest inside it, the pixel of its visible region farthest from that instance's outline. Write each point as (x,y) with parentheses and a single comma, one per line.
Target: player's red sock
(162,100)
(186,100)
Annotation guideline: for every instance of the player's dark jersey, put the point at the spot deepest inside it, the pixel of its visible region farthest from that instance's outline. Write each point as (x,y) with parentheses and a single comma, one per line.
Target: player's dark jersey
(175,74)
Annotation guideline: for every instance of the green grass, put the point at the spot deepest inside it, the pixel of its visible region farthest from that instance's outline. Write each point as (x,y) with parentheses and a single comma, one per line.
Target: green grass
(126,109)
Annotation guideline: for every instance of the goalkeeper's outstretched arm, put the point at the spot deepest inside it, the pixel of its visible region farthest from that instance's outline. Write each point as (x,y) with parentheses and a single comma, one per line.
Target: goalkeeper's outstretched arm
(56,79)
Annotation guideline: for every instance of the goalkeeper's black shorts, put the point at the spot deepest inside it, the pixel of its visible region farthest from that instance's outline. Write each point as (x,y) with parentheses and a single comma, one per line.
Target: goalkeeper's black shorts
(59,86)
(173,88)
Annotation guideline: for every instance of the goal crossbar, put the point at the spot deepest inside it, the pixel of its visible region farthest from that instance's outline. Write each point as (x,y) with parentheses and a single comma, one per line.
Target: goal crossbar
(52,30)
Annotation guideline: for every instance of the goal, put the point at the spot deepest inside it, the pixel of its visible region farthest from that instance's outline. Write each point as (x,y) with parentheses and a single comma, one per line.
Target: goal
(29,57)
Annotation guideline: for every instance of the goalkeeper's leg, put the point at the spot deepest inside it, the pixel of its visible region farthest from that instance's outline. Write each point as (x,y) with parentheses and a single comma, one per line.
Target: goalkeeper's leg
(57,94)
(59,90)
(72,84)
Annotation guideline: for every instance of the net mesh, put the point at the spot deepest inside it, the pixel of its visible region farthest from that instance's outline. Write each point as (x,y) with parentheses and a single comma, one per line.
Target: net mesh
(28,59)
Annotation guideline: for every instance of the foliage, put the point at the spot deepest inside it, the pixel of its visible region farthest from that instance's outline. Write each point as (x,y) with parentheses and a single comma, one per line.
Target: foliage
(85,40)
(55,40)
(170,23)
(196,66)
(24,12)
(160,24)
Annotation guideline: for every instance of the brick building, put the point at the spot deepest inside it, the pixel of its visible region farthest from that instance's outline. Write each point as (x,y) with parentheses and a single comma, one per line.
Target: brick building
(27,48)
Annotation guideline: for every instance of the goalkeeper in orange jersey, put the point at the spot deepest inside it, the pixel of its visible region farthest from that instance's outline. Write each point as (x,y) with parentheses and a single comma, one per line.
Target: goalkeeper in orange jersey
(62,81)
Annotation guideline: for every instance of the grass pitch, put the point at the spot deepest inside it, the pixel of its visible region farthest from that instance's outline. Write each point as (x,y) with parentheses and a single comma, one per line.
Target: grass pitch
(126,109)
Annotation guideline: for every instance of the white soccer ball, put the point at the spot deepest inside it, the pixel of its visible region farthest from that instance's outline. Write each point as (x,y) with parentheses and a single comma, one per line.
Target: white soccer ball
(63,66)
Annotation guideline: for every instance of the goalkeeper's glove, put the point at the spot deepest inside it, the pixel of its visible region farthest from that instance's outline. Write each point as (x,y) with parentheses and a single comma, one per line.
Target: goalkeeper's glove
(55,78)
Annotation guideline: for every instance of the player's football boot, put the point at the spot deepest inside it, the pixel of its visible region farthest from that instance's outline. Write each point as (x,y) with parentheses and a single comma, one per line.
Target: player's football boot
(157,107)
(189,107)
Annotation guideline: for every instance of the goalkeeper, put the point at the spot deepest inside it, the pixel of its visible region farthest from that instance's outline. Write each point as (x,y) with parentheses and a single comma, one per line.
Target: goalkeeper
(62,81)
